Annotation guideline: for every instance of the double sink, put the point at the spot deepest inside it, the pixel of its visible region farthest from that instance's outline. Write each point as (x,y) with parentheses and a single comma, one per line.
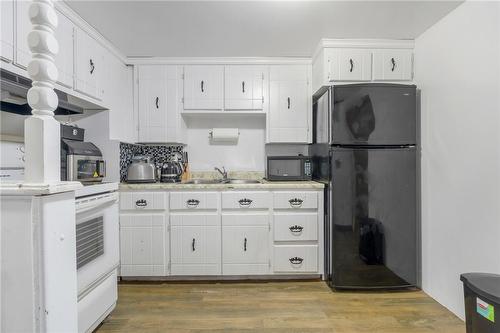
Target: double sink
(221,181)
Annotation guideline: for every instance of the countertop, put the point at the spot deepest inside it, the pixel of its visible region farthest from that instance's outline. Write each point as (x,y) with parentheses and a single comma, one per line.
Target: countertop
(35,189)
(263,185)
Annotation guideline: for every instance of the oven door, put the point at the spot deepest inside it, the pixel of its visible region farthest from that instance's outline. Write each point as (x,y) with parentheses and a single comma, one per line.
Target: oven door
(86,168)
(97,238)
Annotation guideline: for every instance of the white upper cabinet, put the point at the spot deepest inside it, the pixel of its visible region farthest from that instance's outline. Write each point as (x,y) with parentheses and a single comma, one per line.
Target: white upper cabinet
(23,27)
(7,28)
(289,117)
(203,87)
(64,59)
(392,65)
(89,65)
(244,87)
(349,64)
(160,94)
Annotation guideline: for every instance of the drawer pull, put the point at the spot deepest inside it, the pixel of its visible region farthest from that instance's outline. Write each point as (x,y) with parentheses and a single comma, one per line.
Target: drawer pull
(296,202)
(193,203)
(245,202)
(296,260)
(296,229)
(141,203)
(193,245)
(245,244)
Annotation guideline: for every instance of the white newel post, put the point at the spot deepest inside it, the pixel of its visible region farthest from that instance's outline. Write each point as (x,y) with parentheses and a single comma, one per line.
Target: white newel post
(42,131)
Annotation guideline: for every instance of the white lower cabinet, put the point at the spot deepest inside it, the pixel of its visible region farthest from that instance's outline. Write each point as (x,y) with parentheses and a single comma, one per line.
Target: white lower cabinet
(143,244)
(296,258)
(195,244)
(245,244)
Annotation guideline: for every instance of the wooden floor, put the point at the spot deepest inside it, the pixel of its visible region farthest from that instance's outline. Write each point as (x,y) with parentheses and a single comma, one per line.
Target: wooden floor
(281,307)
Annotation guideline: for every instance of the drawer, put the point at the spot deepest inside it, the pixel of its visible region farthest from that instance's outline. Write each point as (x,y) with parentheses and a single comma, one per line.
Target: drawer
(143,200)
(193,200)
(246,200)
(296,258)
(296,227)
(295,200)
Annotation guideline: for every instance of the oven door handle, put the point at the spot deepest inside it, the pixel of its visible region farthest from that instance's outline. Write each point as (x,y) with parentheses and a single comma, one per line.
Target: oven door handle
(85,204)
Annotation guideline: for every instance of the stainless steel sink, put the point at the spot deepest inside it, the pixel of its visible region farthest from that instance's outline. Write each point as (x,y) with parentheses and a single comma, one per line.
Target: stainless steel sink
(241,181)
(202,181)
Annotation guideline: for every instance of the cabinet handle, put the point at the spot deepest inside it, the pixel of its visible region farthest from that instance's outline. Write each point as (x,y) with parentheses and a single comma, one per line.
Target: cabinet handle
(92,66)
(202,86)
(157,102)
(141,203)
(393,62)
(296,202)
(245,202)
(296,260)
(288,101)
(193,203)
(243,86)
(245,245)
(296,229)
(351,62)
(193,245)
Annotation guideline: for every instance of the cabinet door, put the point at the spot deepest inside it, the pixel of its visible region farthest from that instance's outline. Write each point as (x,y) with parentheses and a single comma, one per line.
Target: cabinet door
(143,244)
(290,104)
(64,58)
(203,87)
(195,244)
(392,65)
(349,64)
(89,64)
(23,27)
(7,26)
(245,247)
(152,103)
(244,87)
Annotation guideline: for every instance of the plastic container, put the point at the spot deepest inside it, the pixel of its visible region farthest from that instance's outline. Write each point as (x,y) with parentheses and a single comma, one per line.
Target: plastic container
(482,302)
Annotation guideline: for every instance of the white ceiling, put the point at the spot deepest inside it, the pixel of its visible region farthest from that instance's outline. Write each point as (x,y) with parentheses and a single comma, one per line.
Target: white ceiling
(252,28)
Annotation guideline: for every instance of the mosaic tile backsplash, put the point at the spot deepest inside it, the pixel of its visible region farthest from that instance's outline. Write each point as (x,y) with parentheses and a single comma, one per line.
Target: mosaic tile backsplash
(159,155)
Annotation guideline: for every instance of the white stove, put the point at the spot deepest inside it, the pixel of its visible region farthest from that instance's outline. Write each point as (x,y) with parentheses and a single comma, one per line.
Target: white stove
(96,188)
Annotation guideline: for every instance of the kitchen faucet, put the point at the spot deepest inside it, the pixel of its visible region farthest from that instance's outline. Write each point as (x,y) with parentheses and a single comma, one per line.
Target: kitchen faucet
(223,172)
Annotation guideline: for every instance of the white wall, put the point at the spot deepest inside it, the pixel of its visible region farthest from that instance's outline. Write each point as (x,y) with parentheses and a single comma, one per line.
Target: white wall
(458,72)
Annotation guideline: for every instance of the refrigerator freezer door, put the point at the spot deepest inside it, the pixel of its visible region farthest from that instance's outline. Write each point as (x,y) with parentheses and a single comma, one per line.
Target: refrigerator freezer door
(373,114)
(373,217)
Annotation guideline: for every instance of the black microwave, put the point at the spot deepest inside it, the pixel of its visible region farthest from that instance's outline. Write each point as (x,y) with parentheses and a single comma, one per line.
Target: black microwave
(289,168)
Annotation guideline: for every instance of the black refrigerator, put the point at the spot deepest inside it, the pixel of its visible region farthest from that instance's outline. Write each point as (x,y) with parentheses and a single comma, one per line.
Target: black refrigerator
(365,152)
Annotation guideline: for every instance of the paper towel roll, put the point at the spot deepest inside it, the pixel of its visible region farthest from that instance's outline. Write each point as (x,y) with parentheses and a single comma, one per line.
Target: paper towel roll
(224,134)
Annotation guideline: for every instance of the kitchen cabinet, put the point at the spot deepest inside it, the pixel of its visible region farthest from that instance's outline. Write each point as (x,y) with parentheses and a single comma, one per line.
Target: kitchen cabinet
(89,66)
(143,244)
(296,258)
(245,244)
(196,244)
(203,87)
(349,64)
(244,87)
(64,58)
(392,65)
(160,95)
(23,26)
(290,111)
(7,28)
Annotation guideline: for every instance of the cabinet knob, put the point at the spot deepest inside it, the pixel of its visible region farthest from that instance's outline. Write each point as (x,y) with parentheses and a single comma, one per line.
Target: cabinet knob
(296,260)
(193,203)
(288,101)
(243,86)
(296,202)
(92,66)
(245,202)
(141,203)
(245,245)
(157,102)
(202,86)
(351,62)
(193,244)
(393,62)
(296,229)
